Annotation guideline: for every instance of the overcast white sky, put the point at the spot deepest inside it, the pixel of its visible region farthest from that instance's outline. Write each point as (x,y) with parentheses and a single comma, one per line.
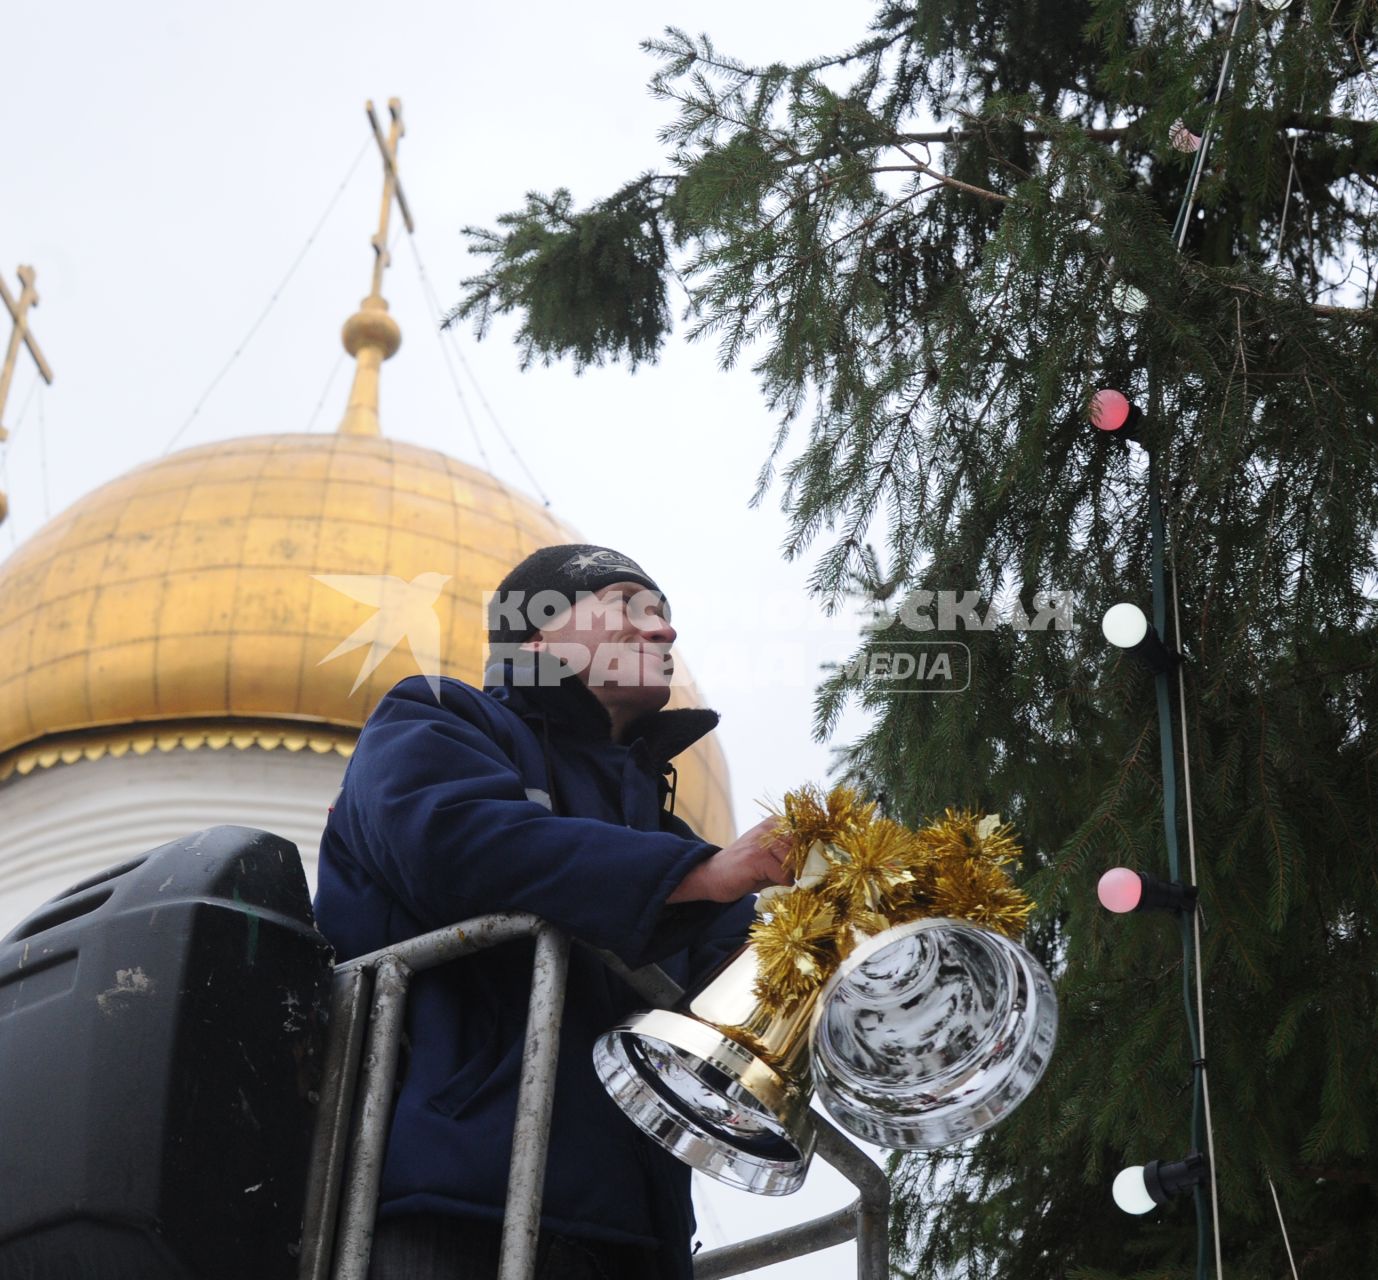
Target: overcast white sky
(164,166)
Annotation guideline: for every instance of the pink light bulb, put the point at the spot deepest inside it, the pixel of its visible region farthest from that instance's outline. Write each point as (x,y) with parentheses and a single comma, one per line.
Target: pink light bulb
(1119,890)
(1109,410)
(1182,138)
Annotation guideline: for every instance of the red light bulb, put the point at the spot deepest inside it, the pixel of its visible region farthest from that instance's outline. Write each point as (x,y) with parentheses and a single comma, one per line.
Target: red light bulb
(1109,410)
(1121,890)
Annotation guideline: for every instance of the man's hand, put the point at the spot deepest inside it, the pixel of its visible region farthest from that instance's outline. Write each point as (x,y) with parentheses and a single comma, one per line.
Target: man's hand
(749,864)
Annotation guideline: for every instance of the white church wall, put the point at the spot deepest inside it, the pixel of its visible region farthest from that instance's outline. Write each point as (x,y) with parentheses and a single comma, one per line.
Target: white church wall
(62,824)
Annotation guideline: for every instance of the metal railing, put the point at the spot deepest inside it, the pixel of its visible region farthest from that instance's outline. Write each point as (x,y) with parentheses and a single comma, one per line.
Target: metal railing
(355,1104)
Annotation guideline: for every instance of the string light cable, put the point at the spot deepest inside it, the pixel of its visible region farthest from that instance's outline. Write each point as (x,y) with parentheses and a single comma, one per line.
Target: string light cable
(1179,231)
(1202,1124)
(273,298)
(1190,952)
(1191,930)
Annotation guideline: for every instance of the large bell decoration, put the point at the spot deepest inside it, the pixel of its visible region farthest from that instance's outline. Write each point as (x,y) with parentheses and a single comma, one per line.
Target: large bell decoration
(722,1083)
(931,1032)
(886,976)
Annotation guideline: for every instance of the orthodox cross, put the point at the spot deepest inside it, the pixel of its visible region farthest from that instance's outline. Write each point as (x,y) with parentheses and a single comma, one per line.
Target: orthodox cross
(370,334)
(392,186)
(19,335)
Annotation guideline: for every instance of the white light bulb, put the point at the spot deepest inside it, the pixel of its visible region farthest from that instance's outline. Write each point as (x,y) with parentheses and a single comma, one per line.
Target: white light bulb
(1124,625)
(1130,1192)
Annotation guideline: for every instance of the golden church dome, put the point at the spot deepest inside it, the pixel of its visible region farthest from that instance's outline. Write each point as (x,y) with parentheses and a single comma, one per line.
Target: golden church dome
(179,604)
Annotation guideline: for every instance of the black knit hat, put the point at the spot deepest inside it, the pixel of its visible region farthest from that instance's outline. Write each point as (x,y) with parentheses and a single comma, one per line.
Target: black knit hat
(564,570)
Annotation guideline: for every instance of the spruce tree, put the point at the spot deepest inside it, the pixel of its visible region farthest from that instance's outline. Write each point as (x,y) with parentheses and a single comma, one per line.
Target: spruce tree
(937,245)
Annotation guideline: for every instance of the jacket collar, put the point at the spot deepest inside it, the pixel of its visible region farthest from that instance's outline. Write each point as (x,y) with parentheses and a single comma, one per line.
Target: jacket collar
(539,686)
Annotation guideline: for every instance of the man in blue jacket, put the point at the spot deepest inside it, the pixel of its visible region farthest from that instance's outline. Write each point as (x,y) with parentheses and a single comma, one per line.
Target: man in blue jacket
(545,793)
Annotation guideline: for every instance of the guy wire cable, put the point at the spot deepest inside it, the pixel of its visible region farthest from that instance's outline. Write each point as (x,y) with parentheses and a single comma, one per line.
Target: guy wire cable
(1196,940)
(1287,195)
(23,409)
(438,312)
(325,390)
(43,455)
(272,301)
(433,302)
(340,360)
(1291,1261)
(5,460)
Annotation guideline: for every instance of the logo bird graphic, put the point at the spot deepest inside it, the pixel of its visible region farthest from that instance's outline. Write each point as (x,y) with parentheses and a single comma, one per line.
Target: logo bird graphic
(406,611)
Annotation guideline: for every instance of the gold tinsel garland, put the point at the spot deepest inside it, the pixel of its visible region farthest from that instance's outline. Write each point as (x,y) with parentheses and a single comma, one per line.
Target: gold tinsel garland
(857,874)
(800,929)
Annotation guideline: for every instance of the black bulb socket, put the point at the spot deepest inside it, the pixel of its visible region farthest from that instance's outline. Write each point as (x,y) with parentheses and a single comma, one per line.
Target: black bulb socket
(1131,428)
(1154,654)
(1165,895)
(1164,1179)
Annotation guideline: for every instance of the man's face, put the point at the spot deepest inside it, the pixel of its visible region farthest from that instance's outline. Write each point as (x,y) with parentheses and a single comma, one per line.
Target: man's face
(618,642)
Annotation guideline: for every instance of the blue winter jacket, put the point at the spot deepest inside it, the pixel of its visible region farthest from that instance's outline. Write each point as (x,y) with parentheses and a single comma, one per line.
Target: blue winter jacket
(442,816)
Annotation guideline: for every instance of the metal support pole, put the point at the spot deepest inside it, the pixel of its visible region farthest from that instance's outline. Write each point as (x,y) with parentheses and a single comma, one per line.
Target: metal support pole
(535,1099)
(377,1075)
(650,982)
(779,1246)
(866,1220)
(872,1207)
(349,1005)
(872,1241)
(427,950)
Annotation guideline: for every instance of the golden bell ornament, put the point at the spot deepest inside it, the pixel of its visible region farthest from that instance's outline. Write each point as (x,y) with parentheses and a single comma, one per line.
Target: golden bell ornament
(722,1083)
